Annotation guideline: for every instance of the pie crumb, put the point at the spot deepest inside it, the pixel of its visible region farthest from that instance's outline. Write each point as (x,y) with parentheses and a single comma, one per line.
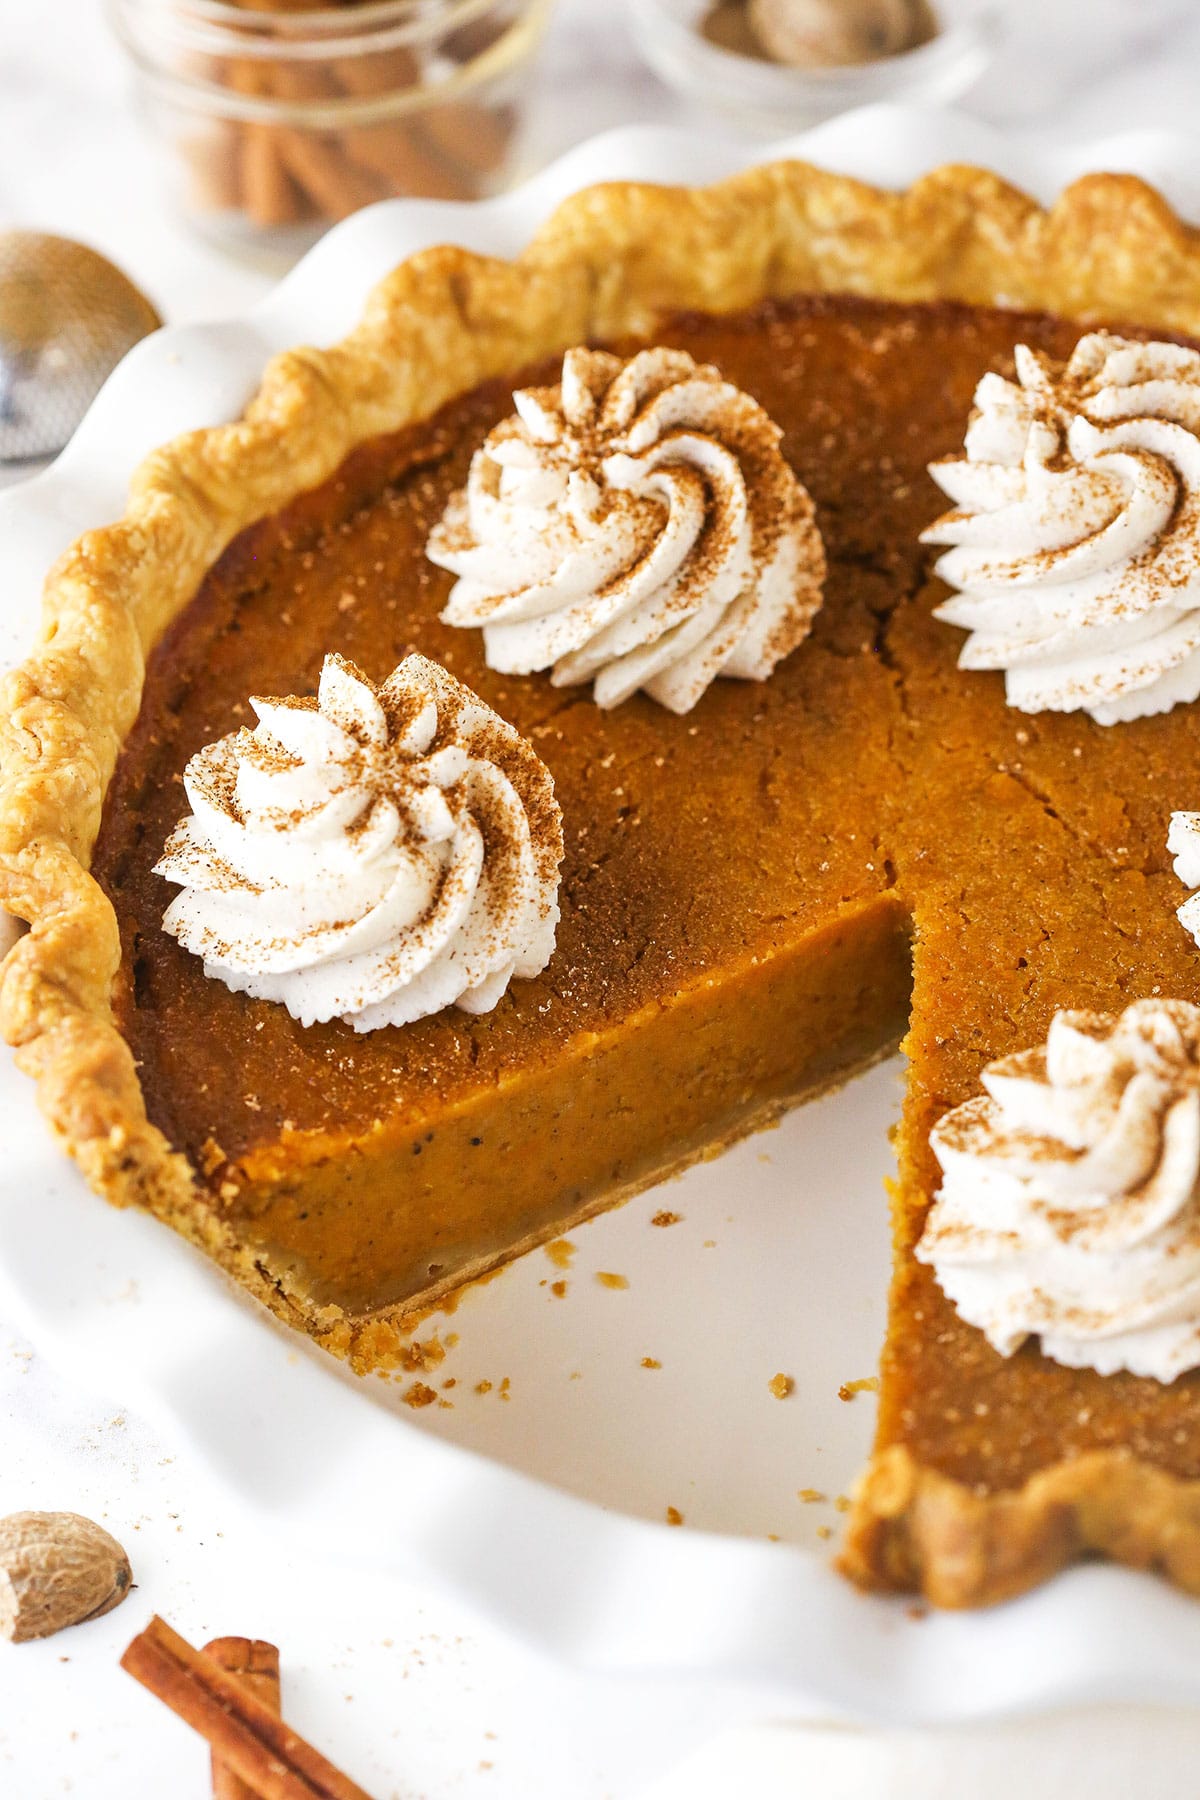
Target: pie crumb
(419,1356)
(674,1516)
(781,1386)
(419,1395)
(211,1156)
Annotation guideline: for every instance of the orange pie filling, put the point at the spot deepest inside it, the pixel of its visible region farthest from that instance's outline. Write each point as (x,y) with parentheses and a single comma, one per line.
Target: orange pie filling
(756,895)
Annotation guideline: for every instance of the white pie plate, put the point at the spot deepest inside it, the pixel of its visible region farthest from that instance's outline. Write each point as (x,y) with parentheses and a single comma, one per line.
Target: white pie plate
(543,1506)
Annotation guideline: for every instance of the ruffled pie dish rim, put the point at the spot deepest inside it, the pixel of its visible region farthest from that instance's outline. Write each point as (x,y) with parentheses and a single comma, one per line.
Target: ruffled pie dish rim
(609,262)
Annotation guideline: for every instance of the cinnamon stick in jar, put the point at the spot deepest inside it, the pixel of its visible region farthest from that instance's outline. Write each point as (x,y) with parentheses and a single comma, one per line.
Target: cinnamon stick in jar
(472,40)
(471,135)
(337,185)
(213,157)
(377,72)
(266,191)
(394,151)
(281,172)
(319,167)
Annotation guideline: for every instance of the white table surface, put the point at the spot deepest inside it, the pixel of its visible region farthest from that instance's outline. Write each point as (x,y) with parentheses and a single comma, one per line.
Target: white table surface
(414,1698)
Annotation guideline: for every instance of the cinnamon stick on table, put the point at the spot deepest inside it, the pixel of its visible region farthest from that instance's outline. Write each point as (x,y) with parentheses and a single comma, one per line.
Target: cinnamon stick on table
(256,1663)
(271,1759)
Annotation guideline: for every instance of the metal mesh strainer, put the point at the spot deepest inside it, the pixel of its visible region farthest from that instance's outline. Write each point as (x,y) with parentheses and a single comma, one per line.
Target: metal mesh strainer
(67,317)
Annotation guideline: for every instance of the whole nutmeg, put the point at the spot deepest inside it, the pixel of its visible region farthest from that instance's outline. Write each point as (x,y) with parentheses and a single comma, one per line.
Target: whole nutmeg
(728,26)
(823,34)
(57,1569)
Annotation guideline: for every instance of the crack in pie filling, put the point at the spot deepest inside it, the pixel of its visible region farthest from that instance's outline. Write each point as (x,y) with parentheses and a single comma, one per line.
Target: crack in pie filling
(758,895)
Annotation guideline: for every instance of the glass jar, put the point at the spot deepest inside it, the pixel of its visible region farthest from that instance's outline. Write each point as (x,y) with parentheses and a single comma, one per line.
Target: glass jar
(281,117)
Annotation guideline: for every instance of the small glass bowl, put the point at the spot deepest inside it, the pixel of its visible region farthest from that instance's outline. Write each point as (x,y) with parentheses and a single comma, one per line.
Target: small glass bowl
(770,100)
(277,120)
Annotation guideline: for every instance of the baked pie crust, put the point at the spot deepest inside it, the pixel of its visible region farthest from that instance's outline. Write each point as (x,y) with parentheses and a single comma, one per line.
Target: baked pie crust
(611,263)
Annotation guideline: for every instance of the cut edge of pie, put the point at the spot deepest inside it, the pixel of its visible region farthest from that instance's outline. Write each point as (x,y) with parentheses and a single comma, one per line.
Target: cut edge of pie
(609,263)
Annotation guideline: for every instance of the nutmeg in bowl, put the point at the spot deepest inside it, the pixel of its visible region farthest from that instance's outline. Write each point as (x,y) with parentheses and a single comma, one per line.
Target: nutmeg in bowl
(774,66)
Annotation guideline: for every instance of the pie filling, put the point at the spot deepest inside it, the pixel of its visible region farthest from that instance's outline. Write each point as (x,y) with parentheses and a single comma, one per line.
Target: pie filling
(755,896)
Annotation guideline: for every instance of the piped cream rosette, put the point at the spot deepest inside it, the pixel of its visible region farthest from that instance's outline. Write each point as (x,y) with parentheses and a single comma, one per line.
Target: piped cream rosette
(636,527)
(1069,1208)
(373,855)
(1075,536)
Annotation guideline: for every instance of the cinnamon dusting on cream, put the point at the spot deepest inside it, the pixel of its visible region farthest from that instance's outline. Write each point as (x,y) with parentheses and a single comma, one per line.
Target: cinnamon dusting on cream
(1070,1201)
(636,526)
(1075,536)
(374,854)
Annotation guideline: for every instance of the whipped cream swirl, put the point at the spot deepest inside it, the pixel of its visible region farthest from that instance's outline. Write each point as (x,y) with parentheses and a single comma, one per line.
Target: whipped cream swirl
(1070,1200)
(636,526)
(373,855)
(1183,841)
(1076,530)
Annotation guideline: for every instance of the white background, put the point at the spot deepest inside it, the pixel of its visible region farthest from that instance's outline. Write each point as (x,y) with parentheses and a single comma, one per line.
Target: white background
(412,1696)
